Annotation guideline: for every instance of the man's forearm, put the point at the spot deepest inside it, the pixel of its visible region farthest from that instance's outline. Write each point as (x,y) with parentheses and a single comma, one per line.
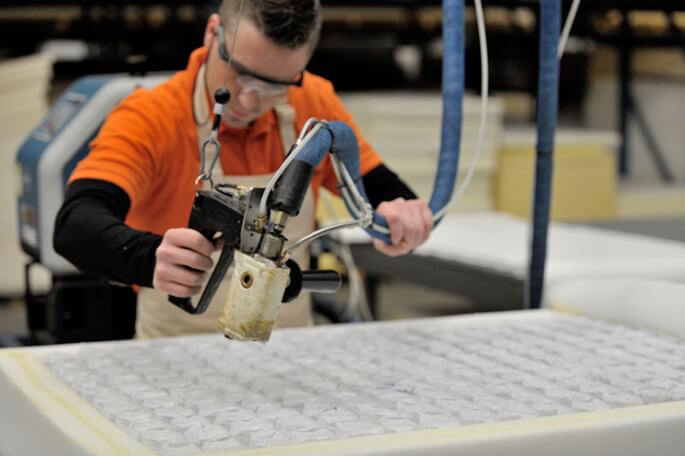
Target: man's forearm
(381,184)
(90,232)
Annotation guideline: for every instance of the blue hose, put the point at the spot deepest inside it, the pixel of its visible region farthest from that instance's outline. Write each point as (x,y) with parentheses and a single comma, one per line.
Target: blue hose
(340,139)
(452,94)
(345,142)
(547,100)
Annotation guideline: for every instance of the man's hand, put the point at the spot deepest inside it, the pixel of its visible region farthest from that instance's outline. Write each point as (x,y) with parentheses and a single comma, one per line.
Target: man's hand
(410,223)
(181,249)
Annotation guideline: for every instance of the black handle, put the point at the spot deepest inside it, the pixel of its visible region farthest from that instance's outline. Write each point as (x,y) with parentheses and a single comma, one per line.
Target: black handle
(185,303)
(215,279)
(213,212)
(321,281)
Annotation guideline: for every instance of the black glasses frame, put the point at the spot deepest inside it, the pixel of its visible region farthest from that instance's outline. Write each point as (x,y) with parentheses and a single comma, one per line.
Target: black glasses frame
(225,56)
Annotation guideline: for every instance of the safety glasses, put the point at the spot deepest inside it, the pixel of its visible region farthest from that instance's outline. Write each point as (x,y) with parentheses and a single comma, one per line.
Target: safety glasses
(250,81)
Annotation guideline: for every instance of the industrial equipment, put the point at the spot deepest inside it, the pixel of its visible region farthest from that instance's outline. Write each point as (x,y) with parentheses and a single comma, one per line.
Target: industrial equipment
(44,162)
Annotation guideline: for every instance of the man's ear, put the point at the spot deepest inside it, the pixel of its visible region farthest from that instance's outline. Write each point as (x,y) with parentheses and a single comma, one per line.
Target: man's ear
(210,29)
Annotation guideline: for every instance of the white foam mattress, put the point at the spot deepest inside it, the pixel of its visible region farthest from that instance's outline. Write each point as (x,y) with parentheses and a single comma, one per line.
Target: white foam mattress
(526,382)
(501,242)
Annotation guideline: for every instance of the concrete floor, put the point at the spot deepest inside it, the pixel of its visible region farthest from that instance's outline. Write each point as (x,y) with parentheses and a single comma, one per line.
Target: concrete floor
(672,228)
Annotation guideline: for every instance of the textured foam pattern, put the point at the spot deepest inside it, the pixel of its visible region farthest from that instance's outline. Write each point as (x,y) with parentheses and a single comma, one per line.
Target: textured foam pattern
(202,394)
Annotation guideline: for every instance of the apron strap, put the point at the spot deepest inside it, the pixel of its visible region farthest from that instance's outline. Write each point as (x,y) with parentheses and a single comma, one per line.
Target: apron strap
(286,124)
(201,112)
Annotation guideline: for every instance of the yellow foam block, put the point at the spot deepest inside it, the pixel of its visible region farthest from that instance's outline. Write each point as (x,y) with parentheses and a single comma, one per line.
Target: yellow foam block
(330,208)
(583,188)
(73,426)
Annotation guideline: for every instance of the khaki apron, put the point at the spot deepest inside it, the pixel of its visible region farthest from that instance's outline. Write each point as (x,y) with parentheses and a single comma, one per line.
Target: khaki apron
(157,317)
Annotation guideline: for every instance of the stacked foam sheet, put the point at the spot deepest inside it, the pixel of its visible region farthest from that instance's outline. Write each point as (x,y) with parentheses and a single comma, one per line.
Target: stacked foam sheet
(500,242)
(655,304)
(24,85)
(533,382)
(584,180)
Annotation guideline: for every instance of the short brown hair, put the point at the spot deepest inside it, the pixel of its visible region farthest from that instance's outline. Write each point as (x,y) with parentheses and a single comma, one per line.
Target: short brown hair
(288,23)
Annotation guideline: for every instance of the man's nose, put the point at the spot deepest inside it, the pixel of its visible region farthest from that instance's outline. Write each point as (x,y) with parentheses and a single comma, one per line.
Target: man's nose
(249,99)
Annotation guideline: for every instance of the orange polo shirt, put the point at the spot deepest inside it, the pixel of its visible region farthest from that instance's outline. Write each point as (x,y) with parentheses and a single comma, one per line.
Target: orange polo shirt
(148,146)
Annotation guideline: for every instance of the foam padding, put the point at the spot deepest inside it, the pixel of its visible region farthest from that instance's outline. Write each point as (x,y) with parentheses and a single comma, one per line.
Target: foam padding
(536,382)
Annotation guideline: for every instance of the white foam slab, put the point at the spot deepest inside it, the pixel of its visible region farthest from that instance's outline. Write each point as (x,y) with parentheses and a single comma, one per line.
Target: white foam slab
(498,241)
(655,304)
(537,382)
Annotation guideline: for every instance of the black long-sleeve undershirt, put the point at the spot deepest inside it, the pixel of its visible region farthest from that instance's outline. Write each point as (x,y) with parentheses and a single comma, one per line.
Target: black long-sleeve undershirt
(381,184)
(90,230)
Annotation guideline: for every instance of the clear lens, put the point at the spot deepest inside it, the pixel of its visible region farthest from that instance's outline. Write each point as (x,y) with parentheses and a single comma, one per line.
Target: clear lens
(263,89)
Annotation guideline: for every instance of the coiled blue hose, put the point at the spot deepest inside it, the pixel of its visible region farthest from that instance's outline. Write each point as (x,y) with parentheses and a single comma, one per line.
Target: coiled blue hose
(345,143)
(547,100)
(341,140)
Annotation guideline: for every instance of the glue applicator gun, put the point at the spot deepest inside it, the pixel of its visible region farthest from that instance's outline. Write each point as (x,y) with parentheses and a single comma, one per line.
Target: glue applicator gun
(263,274)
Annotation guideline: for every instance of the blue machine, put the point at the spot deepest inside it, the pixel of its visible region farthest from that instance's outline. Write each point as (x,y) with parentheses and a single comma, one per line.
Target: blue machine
(52,150)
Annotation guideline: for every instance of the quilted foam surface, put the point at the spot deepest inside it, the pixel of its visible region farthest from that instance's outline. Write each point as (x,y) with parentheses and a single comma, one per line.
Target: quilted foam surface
(200,394)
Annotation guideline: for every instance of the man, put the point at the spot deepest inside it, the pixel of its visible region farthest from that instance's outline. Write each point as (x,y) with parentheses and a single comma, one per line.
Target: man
(127,203)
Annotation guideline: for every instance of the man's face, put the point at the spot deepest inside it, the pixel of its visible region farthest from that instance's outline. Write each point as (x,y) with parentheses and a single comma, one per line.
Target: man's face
(255,55)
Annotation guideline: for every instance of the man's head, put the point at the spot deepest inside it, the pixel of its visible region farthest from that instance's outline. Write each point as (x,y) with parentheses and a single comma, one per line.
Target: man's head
(288,23)
(274,41)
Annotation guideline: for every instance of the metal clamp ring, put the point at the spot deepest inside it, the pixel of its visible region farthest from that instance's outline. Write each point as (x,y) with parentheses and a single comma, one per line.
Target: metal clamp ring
(202,173)
(202,177)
